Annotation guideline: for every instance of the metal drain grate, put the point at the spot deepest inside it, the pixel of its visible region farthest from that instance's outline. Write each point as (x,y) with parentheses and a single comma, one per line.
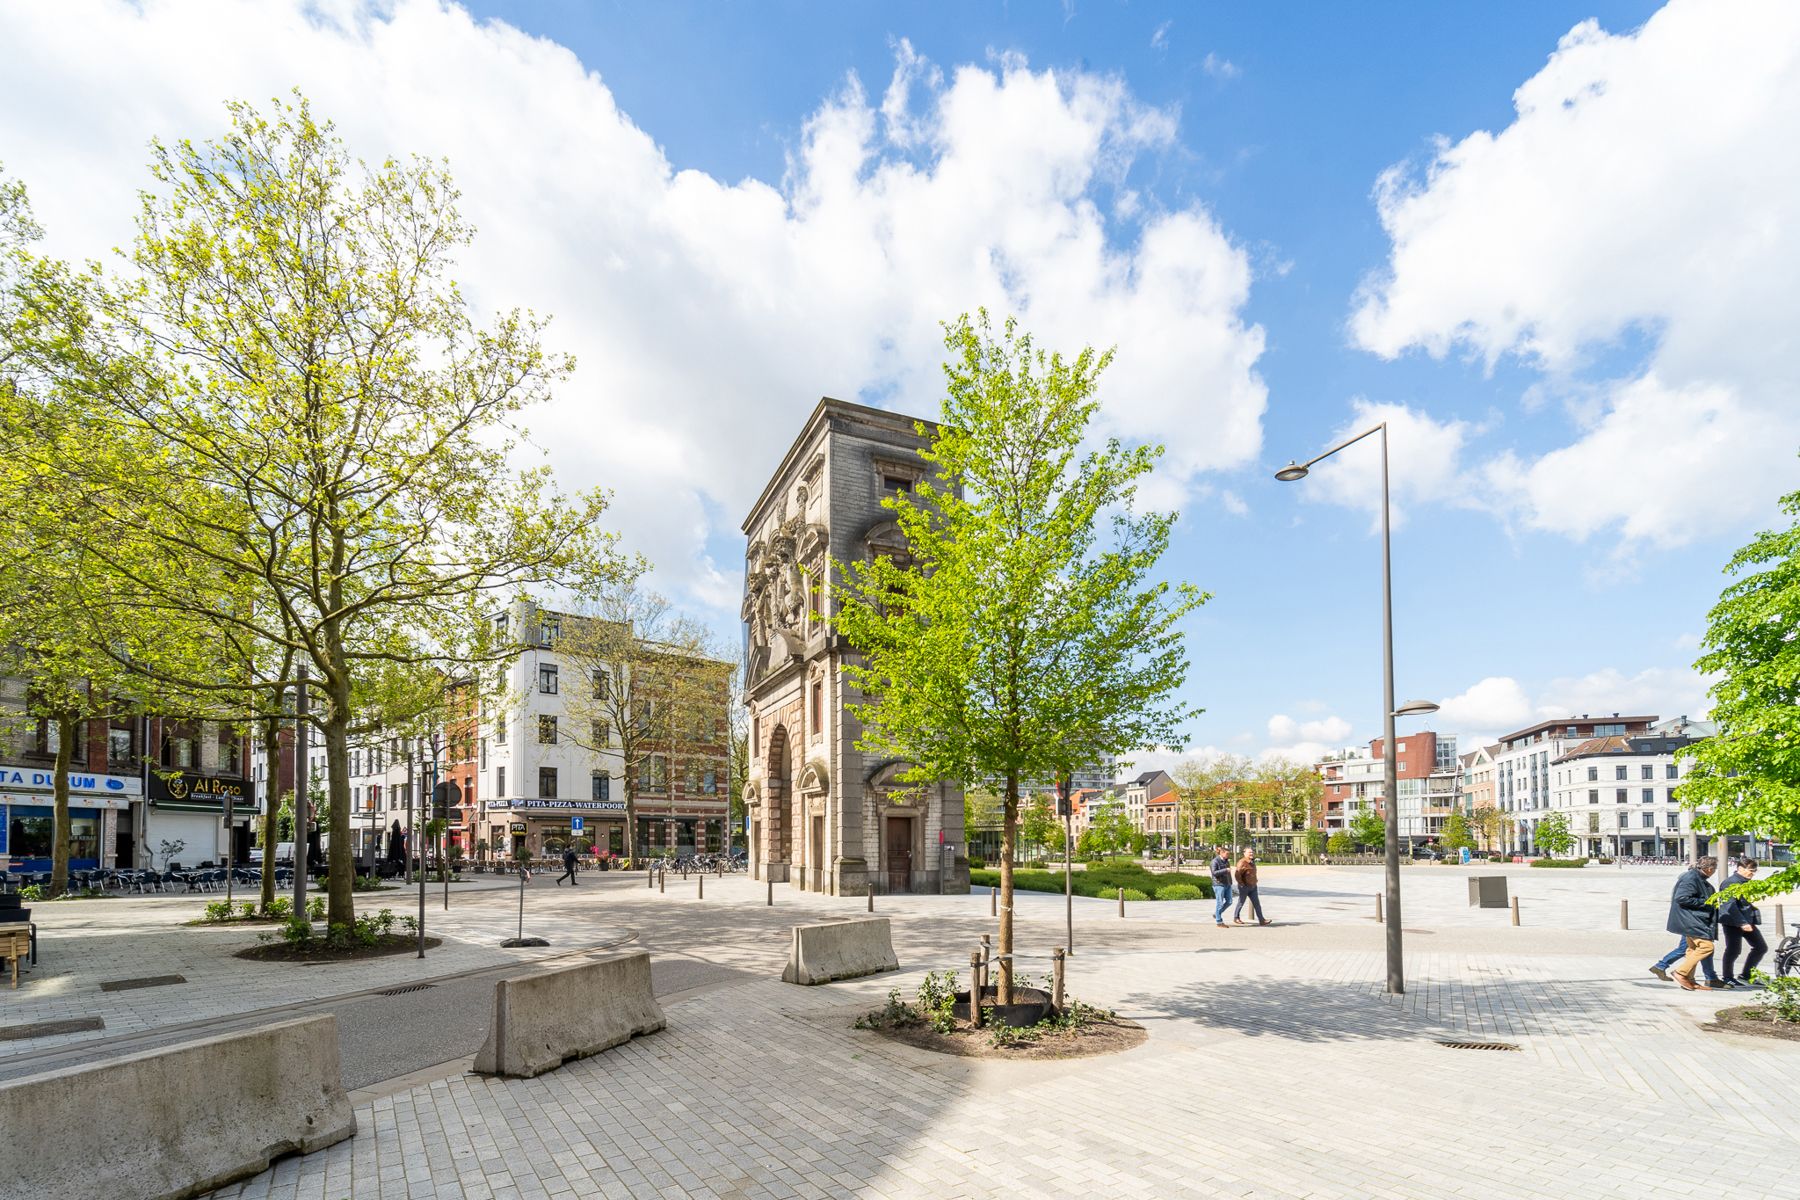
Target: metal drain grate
(411,987)
(1479,1045)
(148,981)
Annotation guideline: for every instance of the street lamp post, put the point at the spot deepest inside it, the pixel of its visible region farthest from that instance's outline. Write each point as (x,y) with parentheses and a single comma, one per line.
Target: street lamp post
(1396,972)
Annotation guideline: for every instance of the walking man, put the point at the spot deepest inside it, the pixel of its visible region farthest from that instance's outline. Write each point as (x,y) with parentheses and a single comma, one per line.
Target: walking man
(1739,919)
(1221,877)
(1246,889)
(1692,915)
(570,858)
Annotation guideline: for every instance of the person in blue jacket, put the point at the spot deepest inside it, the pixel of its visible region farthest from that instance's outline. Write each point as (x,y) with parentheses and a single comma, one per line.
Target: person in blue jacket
(1739,919)
(1693,916)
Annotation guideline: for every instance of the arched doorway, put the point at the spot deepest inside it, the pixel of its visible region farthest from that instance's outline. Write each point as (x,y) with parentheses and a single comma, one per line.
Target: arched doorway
(776,795)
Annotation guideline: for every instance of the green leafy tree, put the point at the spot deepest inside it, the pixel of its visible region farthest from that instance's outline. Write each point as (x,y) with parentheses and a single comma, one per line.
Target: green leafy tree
(1552,835)
(72,625)
(1315,841)
(1340,843)
(644,690)
(1487,821)
(296,340)
(1029,633)
(1456,833)
(1746,777)
(1039,826)
(1367,828)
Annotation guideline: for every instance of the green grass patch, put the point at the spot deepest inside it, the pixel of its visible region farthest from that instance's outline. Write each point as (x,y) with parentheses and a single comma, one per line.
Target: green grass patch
(1104,882)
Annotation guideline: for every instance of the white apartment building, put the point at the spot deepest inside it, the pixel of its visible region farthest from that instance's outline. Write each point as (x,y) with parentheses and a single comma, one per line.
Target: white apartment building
(1429,778)
(538,775)
(1524,783)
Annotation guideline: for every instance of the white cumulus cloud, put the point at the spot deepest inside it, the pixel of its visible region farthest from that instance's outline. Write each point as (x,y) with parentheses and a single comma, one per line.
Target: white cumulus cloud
(707,315)
(1645,190)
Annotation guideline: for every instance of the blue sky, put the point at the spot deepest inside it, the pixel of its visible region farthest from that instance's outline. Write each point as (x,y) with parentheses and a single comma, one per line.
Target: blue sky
(1570,330)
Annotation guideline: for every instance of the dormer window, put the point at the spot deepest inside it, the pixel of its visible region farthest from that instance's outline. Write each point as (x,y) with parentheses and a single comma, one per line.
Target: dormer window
(893,483)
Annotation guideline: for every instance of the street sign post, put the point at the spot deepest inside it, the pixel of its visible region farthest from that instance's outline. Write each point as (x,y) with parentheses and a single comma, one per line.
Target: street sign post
(574,824)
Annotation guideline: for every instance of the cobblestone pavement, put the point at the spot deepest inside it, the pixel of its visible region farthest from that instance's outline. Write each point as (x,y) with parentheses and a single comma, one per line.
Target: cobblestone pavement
(1276,1067)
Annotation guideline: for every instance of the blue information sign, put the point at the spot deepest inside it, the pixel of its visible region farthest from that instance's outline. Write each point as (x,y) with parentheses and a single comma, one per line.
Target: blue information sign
(574,824)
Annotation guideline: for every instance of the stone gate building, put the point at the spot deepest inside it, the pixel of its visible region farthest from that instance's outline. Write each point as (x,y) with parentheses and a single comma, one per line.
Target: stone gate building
(823,815)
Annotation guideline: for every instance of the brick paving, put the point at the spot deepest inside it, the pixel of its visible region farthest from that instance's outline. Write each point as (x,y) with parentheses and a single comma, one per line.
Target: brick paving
(1276,1067)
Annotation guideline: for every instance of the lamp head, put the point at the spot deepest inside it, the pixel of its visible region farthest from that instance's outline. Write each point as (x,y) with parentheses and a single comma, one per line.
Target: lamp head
(1291,472)
(1415,708)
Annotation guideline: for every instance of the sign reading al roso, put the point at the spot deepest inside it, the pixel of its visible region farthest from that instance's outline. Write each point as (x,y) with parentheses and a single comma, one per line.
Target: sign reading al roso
(186,787)
(79,781)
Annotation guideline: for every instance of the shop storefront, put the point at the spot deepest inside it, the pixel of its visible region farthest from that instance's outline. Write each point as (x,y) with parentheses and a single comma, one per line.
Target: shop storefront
(547,827)
(99,818)
(185,820)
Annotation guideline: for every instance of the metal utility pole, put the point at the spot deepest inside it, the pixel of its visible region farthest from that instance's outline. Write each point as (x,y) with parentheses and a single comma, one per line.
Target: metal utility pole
(1066,808)
(412,844)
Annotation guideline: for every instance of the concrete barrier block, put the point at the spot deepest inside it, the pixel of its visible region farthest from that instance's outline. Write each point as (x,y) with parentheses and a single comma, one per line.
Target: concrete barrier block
(840,950)
(544,1019)
(177,1121)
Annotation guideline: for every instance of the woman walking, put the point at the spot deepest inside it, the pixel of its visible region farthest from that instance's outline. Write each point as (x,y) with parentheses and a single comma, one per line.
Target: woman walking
(1739,919)
(1245,877)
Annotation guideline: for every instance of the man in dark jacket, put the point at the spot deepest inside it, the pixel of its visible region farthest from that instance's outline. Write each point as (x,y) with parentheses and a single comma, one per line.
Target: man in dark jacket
(1693,917)
(1739,919)
(570,858)
(1221,877)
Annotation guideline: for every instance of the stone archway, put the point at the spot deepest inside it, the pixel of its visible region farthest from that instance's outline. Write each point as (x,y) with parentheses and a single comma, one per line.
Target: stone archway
(777,794)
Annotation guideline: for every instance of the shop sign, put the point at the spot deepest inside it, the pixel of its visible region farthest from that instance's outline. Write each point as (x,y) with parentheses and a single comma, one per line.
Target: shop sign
(79,781)
(583,805)
(76,800)
(186,787)
(518,827)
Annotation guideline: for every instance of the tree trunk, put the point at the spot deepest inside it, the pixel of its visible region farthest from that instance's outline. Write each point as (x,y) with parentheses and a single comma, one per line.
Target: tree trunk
(340,863)
(271,739)
(1009,832)
(630,790)
(62,835)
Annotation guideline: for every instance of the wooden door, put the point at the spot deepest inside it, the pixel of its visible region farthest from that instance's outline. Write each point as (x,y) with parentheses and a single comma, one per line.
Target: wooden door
(899,854)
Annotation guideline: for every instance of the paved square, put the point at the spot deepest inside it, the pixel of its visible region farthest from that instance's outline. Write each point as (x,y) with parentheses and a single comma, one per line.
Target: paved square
(1276,1065)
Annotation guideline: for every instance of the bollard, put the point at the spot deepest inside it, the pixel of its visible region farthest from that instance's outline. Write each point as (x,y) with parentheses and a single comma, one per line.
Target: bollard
(1378,916)
(871,899)
(701,880)
(684,872)
(1056,979)
(1515,910)
(993,902)
(662,881)
(1780,922)
(975,988)
(771,893)
(1624,914)
(649,877)
(1121,902)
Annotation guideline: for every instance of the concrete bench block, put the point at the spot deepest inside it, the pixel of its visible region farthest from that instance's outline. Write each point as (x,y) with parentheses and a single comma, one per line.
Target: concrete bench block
(840,950)
(1487,891)
(177,1121)
(544,1019)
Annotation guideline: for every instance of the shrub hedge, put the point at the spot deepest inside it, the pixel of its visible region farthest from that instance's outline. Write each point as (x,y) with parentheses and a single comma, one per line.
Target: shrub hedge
(1559,862)
(1104,882)
(1179,891)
